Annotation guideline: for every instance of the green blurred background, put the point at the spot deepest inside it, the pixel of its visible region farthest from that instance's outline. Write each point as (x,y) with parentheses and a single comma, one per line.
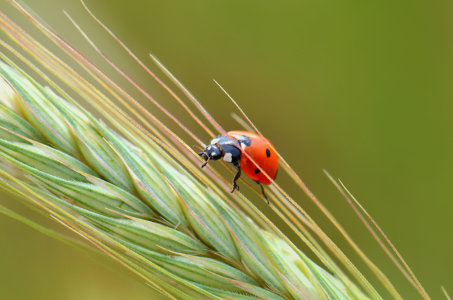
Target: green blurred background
(363,90)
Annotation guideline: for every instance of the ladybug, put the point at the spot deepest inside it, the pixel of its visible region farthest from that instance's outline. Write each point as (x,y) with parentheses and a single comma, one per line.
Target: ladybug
(254,145)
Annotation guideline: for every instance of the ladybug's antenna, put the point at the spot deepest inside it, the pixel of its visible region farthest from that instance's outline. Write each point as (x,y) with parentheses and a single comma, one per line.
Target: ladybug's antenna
(198,147)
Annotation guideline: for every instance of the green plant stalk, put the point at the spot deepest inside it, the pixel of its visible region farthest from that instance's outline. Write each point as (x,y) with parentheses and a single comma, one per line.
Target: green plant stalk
(128,197)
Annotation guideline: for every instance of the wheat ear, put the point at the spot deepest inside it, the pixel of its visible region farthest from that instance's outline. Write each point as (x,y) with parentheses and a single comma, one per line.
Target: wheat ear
(138,205)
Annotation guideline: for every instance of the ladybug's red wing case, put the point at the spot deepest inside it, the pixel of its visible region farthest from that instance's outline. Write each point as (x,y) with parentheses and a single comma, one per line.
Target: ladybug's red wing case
(260,151)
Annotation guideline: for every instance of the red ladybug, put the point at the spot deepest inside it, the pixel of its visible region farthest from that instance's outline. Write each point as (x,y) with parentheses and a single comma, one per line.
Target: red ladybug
(252,144)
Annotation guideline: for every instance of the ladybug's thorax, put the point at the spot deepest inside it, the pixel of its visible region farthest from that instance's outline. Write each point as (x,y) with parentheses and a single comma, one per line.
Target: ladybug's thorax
(231,152)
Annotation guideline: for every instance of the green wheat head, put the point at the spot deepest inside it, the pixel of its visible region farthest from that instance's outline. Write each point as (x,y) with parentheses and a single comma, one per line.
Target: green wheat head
(138,198)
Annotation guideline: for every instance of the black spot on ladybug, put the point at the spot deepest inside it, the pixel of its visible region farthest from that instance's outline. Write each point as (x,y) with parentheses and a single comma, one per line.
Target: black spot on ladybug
(268,153)
(257,171)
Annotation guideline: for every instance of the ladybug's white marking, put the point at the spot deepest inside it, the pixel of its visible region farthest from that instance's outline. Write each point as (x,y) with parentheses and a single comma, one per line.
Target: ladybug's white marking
(243,146)
(214,141)
(209,147)
(227,157)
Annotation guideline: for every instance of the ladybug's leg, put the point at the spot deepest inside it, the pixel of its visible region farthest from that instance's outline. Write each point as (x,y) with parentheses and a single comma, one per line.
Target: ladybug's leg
(236,177)
(262,192)
(205,163)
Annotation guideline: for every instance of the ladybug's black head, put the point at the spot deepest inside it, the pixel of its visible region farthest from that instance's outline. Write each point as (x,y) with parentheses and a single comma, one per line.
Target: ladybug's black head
(212,152)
